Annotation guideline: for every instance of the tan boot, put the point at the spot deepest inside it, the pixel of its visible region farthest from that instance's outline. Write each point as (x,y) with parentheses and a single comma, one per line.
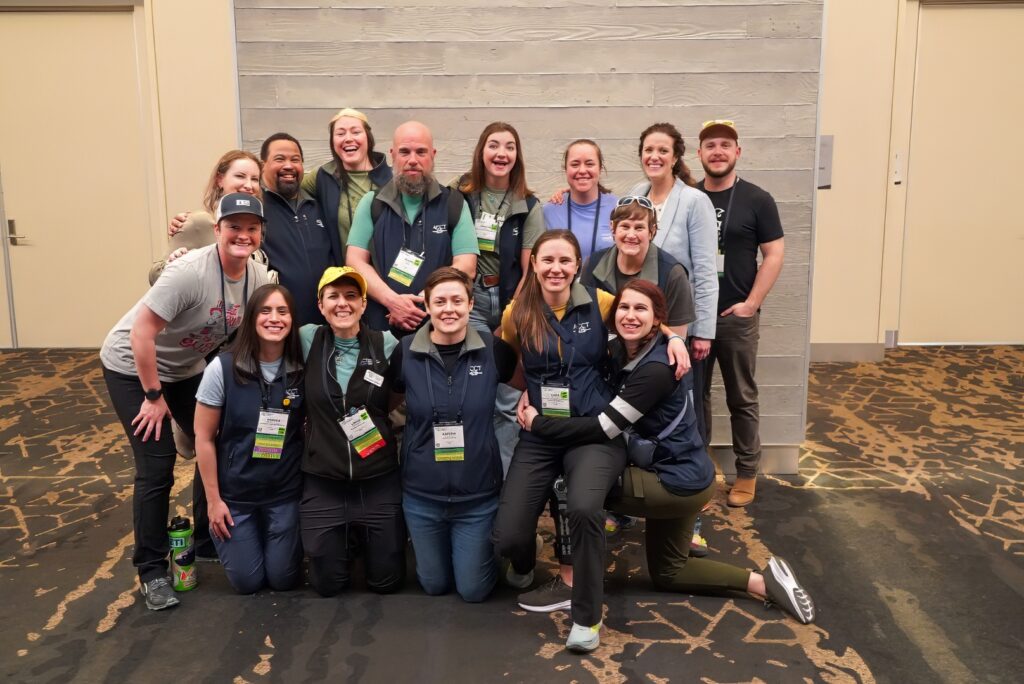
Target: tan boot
(742,491)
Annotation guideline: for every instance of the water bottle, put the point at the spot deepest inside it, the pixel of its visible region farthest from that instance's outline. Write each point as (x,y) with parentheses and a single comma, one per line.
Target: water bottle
(183,554)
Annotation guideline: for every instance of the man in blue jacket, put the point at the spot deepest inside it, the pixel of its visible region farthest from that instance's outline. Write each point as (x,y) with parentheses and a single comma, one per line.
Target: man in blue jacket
(298,244)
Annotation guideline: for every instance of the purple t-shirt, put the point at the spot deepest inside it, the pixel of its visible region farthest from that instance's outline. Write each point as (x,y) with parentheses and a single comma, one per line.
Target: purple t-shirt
(579,218)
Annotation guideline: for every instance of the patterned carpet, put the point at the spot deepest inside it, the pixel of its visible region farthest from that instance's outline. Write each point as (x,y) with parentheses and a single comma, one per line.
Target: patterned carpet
(906,524)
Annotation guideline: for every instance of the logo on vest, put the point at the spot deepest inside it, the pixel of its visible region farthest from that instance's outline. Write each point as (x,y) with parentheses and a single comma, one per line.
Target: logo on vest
(440,229)
(292,393)
(320,223)
(580,328)
(476,370)
(515,231)
(365,362)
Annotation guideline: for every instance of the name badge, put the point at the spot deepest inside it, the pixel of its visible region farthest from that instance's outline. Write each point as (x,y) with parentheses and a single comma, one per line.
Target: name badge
(487,231)
(449,442)
(361,432)
(270,432)
(720,263)
(407,265)
(554,401)
(375,379)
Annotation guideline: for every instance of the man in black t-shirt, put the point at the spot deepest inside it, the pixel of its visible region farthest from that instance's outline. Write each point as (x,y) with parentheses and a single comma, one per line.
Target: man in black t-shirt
(748,222)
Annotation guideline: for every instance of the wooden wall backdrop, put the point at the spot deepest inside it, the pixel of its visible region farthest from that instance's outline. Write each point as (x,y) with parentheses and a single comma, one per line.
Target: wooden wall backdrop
(559,70)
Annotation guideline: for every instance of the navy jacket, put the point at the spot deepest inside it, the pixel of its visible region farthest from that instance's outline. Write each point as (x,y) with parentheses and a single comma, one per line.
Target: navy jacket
(245,481)
(329,190)
(467,396)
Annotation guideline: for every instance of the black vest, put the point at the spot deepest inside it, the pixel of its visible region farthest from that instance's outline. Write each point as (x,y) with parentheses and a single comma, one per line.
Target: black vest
(244,480)
(468,394)
(328,452)
(329,189)
(510,245)
(583,360)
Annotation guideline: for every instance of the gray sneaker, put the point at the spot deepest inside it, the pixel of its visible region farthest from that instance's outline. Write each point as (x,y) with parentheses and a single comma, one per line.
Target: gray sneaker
(551,596)
(782,590)
(159,594)
(583,639)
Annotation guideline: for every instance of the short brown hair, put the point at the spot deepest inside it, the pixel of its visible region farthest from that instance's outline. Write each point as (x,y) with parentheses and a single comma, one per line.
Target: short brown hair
(447,274)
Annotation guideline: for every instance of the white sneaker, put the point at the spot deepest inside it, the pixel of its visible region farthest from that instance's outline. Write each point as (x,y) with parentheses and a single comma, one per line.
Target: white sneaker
(784,591)
(583,639)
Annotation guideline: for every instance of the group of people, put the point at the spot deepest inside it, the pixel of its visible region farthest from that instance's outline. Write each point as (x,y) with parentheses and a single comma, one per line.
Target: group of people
(365,357)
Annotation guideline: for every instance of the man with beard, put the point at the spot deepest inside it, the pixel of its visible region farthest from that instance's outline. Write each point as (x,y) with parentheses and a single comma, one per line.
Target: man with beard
(297,243)
(748,221)
(406,231)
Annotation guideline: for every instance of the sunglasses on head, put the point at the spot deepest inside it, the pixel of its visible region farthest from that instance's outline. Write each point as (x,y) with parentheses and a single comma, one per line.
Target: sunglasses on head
(719,122)
(639,199)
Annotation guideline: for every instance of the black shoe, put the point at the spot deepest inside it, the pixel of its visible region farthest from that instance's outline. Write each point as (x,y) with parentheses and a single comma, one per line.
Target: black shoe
(551,596)
(783,590)
(159,594)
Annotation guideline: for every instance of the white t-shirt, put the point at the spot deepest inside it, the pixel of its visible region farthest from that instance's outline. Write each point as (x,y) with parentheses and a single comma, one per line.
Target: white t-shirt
(188,296)
(211,387)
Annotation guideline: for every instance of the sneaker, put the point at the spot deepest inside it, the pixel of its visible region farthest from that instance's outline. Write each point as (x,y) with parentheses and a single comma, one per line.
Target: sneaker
(514,579)
(551,596)
(159,593)
(782,590)
(583,639)
(698,544)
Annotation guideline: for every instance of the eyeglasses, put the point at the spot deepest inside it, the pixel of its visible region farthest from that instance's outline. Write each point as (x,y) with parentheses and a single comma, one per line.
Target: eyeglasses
(639,199)
(719,122)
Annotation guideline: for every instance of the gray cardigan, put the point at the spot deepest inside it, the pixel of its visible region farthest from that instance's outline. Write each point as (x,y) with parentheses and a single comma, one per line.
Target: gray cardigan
(688,230)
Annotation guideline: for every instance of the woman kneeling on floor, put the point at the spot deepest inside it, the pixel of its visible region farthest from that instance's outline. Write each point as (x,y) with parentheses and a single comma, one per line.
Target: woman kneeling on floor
(670,475)
(451,468)
(248,425)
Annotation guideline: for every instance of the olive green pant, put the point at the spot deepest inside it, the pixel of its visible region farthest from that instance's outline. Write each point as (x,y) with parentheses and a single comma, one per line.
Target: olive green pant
(669,529)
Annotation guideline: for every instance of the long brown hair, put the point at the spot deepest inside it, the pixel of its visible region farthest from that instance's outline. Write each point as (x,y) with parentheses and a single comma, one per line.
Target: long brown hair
(213,191)
(679,169)
(246,346)
(600,159)
(528,314)
(339,172)
(658,305)
(475,180)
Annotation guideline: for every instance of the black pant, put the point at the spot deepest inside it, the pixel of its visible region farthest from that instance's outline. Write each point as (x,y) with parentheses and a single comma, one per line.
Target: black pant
(590,472)
(154,469)
(339,518)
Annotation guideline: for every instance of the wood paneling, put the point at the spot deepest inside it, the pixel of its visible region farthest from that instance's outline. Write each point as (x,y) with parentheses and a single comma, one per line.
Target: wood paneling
(560,70)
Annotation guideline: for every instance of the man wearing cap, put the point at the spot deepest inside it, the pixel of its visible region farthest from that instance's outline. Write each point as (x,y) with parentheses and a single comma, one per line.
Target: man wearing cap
(352,489)
(412,227)
(298,243)
(153,361)
(748,221)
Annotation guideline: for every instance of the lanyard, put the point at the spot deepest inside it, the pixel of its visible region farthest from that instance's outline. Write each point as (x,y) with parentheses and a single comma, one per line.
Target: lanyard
(265,388)
(223,296)
(497,211)
(728,213)
(327,356)
(430,389)
(597,219)
(565,338)
(407,227)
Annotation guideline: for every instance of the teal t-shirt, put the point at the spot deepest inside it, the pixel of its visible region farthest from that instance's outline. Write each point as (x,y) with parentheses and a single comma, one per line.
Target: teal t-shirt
(463,237)
(348,352)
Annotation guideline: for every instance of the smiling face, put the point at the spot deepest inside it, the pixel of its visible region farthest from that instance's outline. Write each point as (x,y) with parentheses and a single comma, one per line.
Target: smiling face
(657,156)
(633,236)
(274,319)
(555,265)
(582,168)
(499,156)
(349,140)
(718,156)
(282,170)
(449,305)
(238,235)
(634,316)
(243,175)
(342,305)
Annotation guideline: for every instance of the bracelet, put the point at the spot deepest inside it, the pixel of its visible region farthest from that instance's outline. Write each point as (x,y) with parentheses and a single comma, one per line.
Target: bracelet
(676,337)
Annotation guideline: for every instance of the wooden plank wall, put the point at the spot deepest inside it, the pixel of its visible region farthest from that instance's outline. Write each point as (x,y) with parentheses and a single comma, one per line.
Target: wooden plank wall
(559,70)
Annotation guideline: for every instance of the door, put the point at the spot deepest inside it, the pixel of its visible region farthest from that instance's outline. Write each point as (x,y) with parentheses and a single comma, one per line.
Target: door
(962,273)
(73,176)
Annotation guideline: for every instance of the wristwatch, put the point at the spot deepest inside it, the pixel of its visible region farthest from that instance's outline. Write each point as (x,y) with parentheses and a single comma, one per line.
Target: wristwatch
(154,394)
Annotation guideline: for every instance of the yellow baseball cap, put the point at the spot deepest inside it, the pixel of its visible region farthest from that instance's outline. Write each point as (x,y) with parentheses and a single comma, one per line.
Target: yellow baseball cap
(335,273)
(719,128)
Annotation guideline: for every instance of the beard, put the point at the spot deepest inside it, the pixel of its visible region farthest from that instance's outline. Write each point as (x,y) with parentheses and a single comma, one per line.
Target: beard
(718,174)
(413,186)
(288,188)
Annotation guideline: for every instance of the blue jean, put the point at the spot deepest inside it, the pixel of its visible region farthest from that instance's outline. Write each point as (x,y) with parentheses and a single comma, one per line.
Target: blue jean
(486,315)
(452,542)
(264,548)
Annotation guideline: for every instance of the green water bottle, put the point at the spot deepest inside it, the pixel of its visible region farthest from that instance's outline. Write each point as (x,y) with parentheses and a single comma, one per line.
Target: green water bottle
(183,554)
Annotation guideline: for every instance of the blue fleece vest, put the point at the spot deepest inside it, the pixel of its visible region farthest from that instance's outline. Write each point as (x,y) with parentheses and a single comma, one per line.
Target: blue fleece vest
(666,262)
(244,480)
(680,459)
(468,395)
(329,189)
(583,361)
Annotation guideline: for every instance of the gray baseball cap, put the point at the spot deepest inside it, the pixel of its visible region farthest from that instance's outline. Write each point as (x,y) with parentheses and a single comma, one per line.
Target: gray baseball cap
(239,203)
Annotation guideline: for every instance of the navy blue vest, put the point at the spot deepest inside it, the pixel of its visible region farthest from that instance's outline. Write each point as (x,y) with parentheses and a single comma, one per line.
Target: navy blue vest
(428,234)
(242,479)
(510,246)
(329,189)
(468,395)
(666,262)
(583,362)
(680,459)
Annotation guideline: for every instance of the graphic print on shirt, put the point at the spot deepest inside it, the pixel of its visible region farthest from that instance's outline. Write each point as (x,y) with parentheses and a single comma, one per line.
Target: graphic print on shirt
(208,337)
